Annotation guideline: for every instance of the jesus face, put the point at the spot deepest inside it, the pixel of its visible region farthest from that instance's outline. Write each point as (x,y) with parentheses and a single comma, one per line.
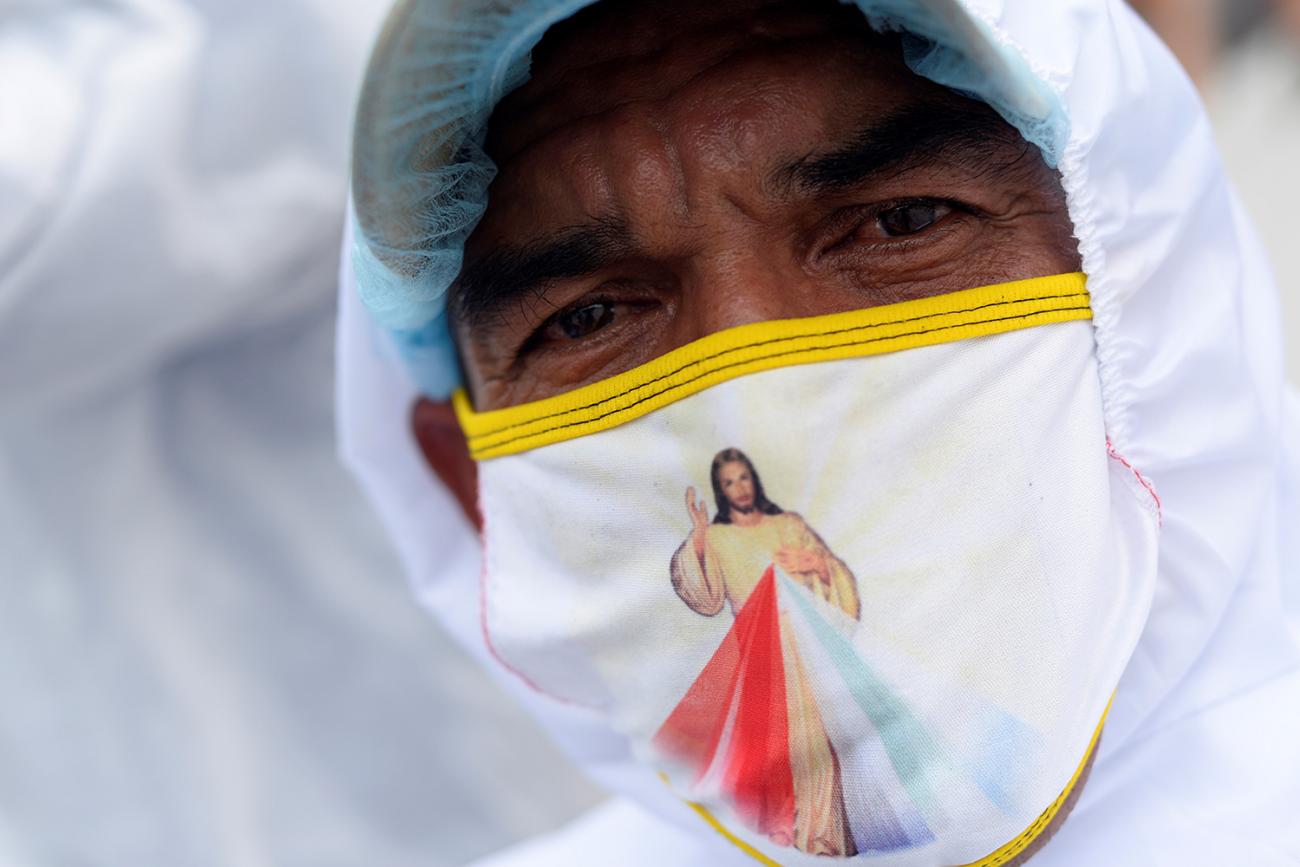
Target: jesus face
(737,486)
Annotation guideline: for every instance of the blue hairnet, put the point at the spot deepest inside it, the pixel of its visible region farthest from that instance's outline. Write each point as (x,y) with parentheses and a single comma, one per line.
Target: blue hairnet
(420,175)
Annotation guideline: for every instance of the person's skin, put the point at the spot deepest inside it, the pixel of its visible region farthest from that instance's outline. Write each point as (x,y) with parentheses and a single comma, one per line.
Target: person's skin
(673,169)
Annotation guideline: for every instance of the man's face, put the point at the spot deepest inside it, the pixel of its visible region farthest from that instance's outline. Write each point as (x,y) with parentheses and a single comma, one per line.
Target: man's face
(674,169)
(737,485)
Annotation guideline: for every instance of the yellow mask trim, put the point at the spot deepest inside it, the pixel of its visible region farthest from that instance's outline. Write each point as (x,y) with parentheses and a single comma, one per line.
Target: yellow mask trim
(760,346)
(996,858)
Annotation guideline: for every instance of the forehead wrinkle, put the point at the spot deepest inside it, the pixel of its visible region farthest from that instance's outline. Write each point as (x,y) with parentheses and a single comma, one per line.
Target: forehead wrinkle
(658,177)
(604,166)
(922,132)
(565,107)
(629,156)
(545,106)
(733,131)
(561,91)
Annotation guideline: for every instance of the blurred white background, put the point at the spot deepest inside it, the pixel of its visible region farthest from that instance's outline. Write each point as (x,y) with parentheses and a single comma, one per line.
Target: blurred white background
(208,655)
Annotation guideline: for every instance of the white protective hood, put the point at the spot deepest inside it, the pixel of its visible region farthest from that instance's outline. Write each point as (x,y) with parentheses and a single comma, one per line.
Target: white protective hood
(1200,762)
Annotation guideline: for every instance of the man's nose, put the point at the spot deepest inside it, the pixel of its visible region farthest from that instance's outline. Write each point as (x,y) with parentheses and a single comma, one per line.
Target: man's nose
(731,288)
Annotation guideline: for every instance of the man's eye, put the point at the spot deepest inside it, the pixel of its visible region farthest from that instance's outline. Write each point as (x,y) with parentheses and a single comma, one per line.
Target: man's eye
(911,218)
(578,322)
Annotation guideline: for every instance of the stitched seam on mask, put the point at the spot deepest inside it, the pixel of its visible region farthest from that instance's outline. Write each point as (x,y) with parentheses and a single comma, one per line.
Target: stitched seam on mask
(1141,479)
(783,339)
(480,447)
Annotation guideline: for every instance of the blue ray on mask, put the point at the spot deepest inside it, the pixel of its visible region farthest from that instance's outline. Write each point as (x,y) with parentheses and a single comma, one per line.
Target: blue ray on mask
(914,753)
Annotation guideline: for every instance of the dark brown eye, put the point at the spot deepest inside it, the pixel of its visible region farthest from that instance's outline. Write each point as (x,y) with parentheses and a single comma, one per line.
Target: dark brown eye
(911,218)
(581,321)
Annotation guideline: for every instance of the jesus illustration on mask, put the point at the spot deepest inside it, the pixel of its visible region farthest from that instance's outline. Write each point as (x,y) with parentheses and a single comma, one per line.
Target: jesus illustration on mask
(723,560)
(773,760)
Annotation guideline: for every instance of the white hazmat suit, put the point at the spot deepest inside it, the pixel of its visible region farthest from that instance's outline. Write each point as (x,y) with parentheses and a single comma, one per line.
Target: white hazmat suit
(1200,763)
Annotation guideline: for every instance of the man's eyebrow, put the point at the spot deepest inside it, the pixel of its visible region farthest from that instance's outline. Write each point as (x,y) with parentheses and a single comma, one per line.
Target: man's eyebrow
(918,134)
(510,274)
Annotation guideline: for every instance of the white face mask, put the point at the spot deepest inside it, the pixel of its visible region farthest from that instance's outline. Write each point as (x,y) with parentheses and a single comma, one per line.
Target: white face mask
(859,584)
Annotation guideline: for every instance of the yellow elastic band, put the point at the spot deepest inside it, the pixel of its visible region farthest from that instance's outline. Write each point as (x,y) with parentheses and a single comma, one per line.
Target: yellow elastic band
(740,844)
(766,345)
(994,859)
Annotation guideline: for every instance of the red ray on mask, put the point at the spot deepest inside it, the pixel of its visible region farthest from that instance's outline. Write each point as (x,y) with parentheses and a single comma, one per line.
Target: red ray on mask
(746,672)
